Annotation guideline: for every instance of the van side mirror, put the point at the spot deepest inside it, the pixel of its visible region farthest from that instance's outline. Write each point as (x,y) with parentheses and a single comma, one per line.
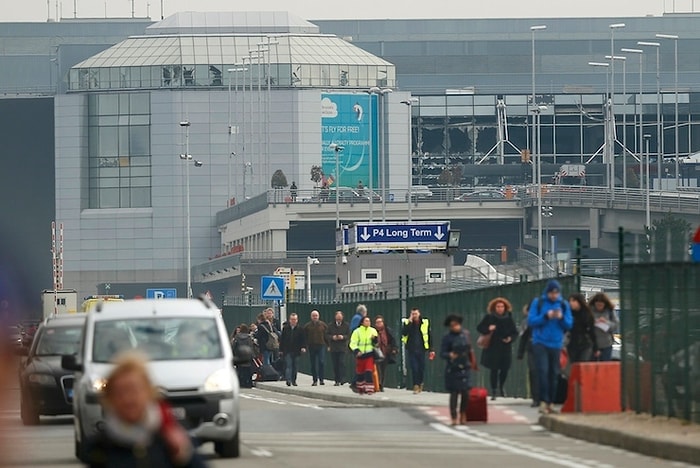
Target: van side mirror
(70,362)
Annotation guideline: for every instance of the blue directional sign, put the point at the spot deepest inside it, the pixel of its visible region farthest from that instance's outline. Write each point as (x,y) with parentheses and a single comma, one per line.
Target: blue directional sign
(272,288)
(402,236)
(161,293)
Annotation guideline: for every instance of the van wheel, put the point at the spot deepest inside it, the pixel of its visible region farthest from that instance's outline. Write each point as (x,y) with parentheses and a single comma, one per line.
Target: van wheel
(29,415)
(229,448)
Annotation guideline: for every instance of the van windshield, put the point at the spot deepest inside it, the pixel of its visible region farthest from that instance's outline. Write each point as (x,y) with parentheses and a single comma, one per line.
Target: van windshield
(161,339)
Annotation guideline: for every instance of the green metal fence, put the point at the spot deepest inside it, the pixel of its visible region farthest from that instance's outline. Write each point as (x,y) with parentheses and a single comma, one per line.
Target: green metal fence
(471,304)
(661,338)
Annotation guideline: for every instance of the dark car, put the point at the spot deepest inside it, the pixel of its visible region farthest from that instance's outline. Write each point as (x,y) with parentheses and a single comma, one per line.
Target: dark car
(482,195)
(29,329)
(45,387)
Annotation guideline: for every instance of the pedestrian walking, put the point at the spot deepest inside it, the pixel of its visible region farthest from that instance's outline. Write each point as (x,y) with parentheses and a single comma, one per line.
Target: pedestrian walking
(360,312)
(293,192)
(582,337)
(268,336)
(316,343)
(362,343)
(139,427)
(338,336)
(525,349)
(456,350)
(244,350)
(550,318)
(292,345)
(606,325)
(498,323)
(416,336)
(387,345)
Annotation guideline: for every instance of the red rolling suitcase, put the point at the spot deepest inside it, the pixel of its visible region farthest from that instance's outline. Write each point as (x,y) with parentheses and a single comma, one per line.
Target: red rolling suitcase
(477,409)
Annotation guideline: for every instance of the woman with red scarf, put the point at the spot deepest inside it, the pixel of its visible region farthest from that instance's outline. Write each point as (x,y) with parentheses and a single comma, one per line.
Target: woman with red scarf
(387,344)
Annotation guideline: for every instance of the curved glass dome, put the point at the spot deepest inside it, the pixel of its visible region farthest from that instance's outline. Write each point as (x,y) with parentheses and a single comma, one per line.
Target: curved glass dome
(196,57)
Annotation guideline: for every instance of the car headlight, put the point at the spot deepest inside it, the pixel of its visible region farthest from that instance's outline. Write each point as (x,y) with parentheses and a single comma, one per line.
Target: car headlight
(98,384)
(219,381)
(42,379)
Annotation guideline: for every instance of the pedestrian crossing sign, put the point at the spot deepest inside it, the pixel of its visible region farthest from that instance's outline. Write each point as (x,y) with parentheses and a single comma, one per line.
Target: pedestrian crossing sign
(272,288)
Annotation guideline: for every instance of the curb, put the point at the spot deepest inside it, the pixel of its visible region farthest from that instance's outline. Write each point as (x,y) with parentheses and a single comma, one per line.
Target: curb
(624,440)
(352,399)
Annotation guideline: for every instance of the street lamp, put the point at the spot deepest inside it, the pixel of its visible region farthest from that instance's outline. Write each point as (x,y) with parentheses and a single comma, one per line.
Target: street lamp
(309,261)
(607,150)
(381,93)
(623,59)
(533,30)
(337,149)
(409,104)
(537,169)
(647,137)
(187,158)
(547,212)
(659,140)
(231,153)
(612,27)
(674,37)
(640,110)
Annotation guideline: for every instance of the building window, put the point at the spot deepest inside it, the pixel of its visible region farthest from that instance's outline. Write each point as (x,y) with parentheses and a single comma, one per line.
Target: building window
(119,154)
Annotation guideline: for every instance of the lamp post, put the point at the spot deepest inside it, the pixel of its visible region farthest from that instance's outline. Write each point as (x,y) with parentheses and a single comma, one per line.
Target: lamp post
(533,30)
(611,137)
(647,137)
(268,101)
(659,140)
(547,212)
(606,112)
(187,158)
(309,261)
(381,93)
(674,37)
(231,153)
(640,111)
(337,149)
(409,104)
(537,167)
(622,59)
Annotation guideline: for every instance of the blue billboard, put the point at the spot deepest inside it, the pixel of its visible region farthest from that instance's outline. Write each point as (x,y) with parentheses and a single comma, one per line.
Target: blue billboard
(350,121)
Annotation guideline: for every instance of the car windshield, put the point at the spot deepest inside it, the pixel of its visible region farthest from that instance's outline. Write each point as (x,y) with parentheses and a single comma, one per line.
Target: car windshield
(56,341)
(161,339)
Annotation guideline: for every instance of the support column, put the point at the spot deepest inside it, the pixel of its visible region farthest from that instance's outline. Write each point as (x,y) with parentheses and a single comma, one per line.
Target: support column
(594,227)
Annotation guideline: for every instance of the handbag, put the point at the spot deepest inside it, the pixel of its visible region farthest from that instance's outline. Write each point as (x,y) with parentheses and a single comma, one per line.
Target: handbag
(484,341)
(378,354)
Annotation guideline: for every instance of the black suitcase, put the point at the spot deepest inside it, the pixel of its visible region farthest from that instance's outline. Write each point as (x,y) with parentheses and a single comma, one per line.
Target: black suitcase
(280,366)
(269,374)
(562,390)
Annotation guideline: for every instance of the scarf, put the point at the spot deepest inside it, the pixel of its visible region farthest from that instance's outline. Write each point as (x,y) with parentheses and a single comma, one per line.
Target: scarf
(129,435)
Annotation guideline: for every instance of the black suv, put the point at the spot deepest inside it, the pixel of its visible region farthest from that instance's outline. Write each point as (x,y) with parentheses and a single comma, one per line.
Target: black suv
(45,387)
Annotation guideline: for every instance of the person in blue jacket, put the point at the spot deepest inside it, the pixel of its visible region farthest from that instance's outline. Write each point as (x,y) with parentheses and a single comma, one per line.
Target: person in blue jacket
(550,318)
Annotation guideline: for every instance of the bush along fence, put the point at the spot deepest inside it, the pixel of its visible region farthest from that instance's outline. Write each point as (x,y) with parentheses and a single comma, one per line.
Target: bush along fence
(471,304)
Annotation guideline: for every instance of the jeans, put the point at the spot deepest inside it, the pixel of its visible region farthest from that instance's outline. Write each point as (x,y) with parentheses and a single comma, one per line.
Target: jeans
(317,354)
(292,360)
(338,359)
(605,354)
(547,363)
(245,376)
(268,356)
(498,379)
(416,360)
(464,402)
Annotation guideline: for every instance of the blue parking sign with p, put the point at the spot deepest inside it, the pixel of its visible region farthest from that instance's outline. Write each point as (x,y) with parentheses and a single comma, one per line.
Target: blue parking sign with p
(161,293)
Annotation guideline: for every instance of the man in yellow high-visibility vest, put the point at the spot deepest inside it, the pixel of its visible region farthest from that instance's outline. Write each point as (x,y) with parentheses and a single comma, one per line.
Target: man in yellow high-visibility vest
(416,336)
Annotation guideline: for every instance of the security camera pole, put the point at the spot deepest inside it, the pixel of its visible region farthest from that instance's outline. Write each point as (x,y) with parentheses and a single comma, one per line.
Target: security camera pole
(309,261)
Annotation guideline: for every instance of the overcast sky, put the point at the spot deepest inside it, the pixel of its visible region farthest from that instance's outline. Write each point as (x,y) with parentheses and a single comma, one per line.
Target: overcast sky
(36,10)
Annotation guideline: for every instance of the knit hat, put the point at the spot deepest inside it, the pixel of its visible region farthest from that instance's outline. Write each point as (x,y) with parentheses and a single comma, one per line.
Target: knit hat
(552,285)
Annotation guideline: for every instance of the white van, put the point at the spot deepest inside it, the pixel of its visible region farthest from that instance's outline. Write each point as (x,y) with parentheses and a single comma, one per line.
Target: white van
(190,361)
(420,192)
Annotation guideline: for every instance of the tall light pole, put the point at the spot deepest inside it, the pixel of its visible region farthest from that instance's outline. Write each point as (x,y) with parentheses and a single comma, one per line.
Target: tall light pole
(674,37)
(533,104)
(409,104)
(231,153)
(659,139)
(187,158)
(309,261)
(268,101)
(647,137)
(640,112)
(381,135)
(622,59)
(537,166)
(607,150)
(337,149)
(613,27)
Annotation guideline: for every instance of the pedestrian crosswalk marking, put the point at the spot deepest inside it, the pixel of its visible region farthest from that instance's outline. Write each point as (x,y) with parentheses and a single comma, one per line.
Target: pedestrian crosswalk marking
(271,287)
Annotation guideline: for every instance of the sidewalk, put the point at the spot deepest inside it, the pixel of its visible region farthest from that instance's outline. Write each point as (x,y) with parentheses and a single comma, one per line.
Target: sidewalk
(390,397)
(657,437)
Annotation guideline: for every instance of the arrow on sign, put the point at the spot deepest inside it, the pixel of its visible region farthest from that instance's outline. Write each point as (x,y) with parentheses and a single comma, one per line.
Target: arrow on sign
(364,236)
(439,235)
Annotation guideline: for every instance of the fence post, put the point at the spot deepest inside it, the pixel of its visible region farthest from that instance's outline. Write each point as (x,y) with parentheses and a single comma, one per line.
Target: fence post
(403,373)
(577,273)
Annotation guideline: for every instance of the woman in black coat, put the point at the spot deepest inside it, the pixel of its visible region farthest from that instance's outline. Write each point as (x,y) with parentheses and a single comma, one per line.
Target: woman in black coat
(498,322)
(582,343)
(456,350)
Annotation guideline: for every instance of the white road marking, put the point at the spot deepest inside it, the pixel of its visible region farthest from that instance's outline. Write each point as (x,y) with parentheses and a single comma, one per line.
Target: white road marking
(279,402)
(261,452)
(537,428)
(516,448)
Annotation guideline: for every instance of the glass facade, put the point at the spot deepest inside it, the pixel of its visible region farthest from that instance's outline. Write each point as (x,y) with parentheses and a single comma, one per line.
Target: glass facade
(119,150)
(203,61)
(455,130)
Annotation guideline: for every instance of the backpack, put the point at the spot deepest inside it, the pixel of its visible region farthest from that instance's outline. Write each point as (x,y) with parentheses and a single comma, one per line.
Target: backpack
(243,348)
(273,341)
